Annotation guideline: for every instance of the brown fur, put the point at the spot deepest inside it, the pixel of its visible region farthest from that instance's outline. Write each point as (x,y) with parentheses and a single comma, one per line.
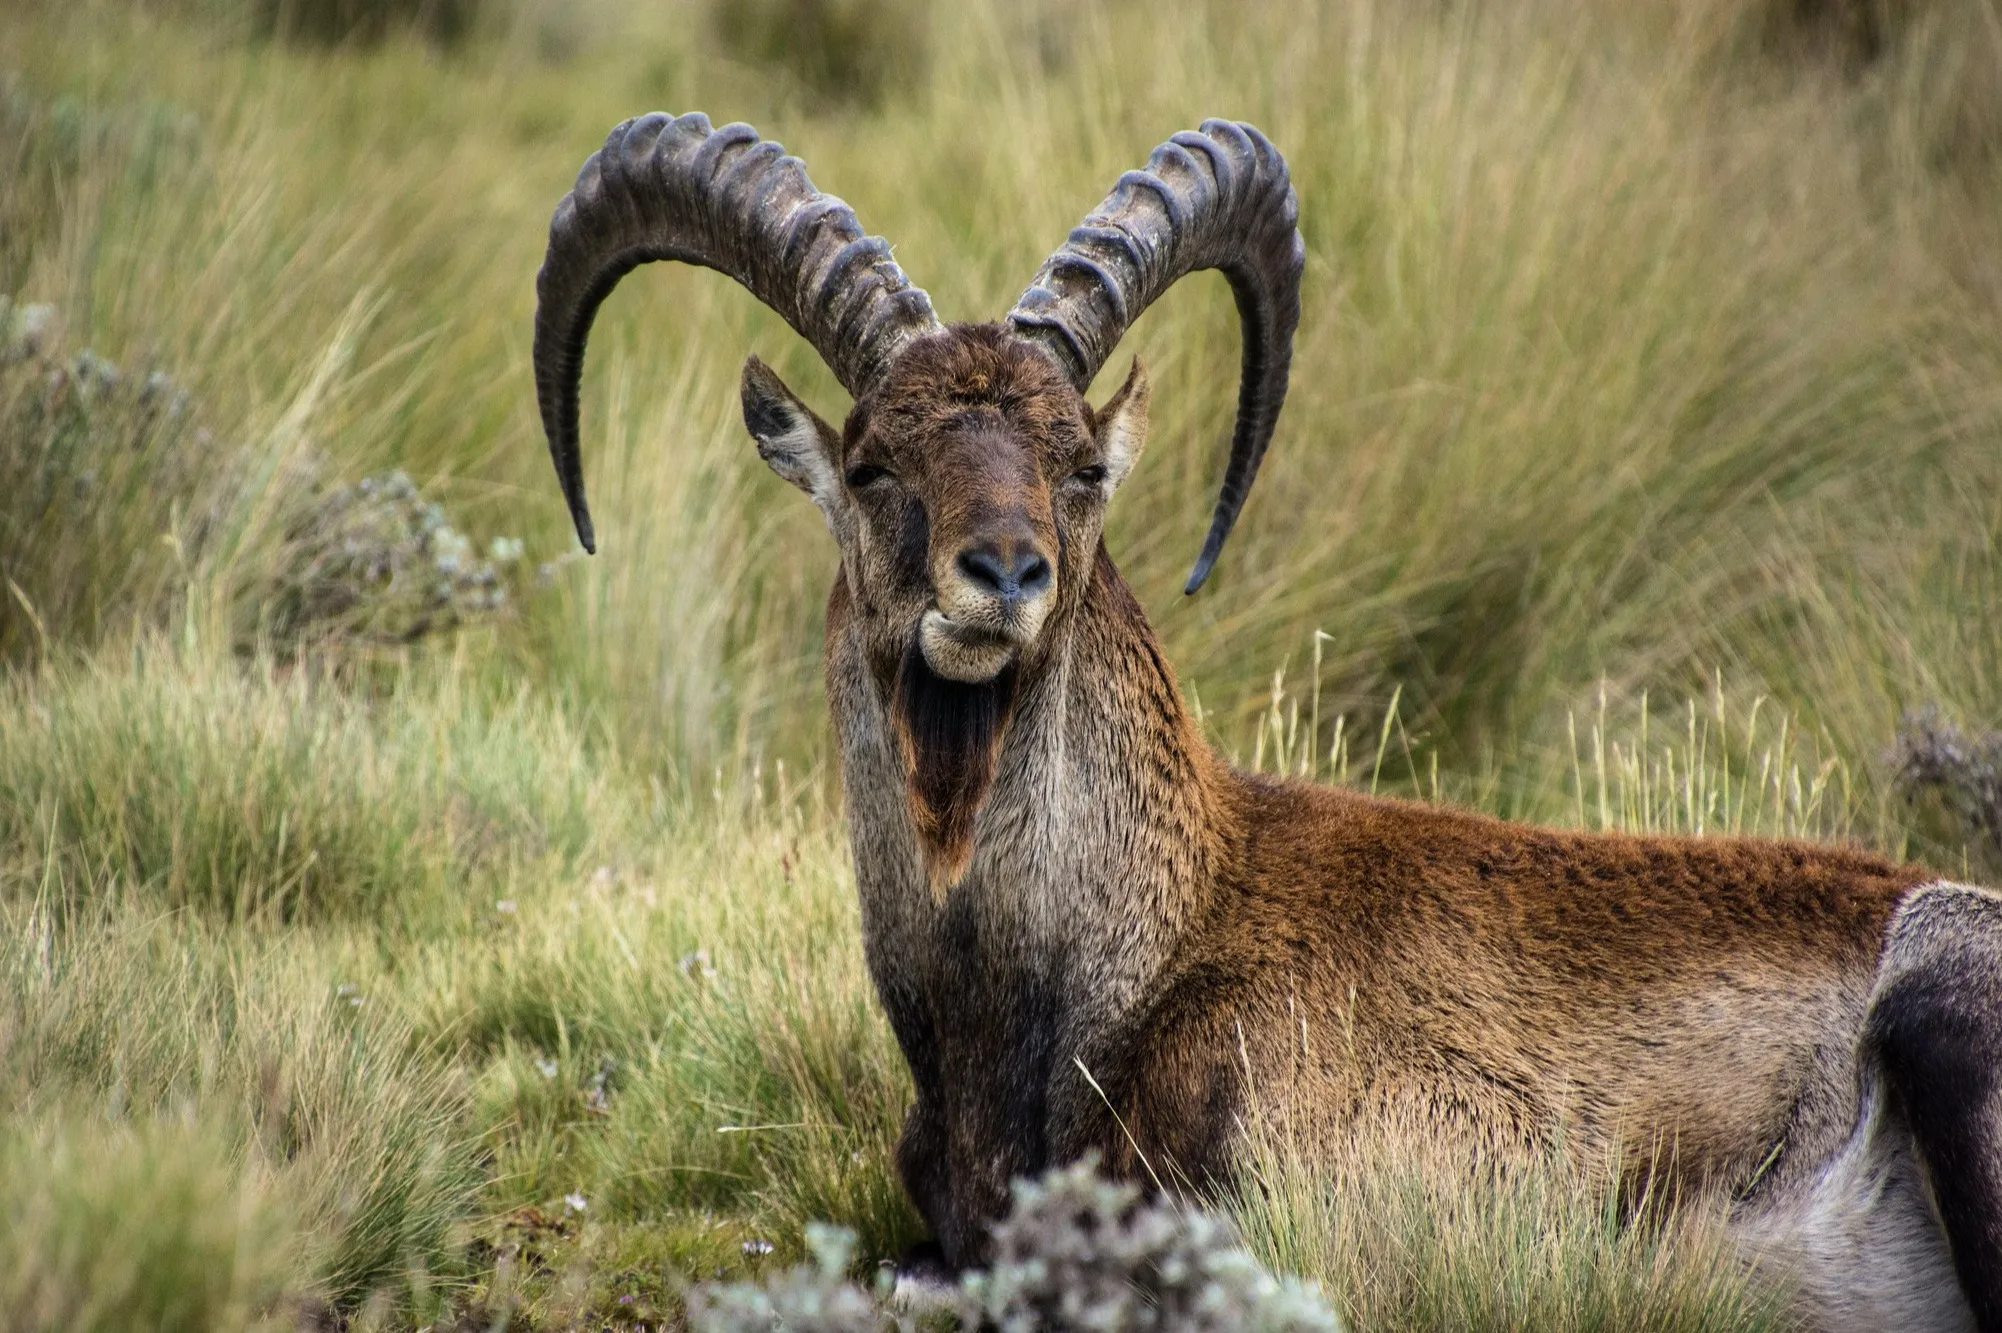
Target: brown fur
(1091,934)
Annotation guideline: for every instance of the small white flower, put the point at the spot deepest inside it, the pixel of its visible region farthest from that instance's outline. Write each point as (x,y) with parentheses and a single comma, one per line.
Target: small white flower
(757,1249)
(576,1203)
(547,1067)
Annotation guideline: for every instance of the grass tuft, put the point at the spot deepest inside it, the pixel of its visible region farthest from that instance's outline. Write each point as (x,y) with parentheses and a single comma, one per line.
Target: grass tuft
(269,795)
(148,1225)
(1408,1233)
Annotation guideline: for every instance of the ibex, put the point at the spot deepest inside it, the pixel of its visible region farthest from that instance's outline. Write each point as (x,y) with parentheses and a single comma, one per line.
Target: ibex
(1059,877)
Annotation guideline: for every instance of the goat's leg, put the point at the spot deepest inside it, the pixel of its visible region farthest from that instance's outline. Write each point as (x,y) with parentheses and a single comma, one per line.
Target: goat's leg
(921,1162)
(1934,1033)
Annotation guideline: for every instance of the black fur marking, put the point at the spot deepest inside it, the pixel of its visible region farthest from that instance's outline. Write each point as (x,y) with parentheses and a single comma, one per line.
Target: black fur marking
(1938,1034)
(952,739)
(1021,1049)
(913,541)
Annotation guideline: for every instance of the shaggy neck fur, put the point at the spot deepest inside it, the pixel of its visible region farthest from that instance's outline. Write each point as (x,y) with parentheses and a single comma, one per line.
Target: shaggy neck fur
(950,735)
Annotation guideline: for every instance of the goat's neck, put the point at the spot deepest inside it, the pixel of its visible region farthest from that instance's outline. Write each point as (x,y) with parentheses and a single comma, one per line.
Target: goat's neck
(1098,844)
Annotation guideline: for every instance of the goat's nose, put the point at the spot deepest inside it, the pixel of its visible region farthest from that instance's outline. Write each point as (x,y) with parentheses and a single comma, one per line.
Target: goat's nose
(1020,573)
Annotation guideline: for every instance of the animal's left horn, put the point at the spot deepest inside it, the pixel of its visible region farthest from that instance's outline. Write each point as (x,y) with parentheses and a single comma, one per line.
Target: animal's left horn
(667,187)
(1218,198)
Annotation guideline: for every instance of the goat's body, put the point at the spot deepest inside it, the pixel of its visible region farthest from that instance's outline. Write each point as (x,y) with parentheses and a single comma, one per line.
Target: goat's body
(1256,948)
(1090,934)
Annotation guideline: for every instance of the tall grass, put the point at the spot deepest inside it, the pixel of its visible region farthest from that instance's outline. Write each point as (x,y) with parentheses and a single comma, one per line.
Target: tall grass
(665,1019)
(260,795)
(1632,350)
(1640,472)
(253,1134)
(542,1073)
(112,1227)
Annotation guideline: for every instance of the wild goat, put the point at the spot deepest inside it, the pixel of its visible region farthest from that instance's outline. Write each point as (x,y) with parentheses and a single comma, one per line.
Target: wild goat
(1059,875)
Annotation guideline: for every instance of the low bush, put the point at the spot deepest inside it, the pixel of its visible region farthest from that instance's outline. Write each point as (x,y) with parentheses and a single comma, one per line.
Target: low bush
(85,449)
(118,498)
(377,563)
(1963,773)
(1076,1254)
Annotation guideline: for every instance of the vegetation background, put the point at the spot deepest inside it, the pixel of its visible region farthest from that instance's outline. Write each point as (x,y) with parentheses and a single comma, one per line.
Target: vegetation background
(405,921)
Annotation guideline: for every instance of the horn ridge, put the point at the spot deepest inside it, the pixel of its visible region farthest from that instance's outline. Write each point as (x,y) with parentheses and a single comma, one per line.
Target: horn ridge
(1219,197)
(675,187)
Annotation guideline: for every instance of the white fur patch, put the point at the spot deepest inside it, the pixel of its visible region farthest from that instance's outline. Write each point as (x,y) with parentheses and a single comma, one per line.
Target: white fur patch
(800,456)
(957,656)
(1862,1239)
(1123,435)
(1861,1243)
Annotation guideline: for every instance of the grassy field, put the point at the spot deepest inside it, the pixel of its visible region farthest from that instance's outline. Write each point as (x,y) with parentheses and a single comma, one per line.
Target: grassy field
(405,921)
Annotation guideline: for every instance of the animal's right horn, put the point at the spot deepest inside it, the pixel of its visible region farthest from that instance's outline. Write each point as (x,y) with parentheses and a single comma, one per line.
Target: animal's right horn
(674,188)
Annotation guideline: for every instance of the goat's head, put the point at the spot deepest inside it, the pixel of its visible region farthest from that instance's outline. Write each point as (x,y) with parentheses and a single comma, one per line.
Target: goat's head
(968,485)
(966,494)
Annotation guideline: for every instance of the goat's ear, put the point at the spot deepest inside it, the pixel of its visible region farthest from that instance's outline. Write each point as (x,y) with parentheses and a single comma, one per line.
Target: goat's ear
(794,443)
(1121,426)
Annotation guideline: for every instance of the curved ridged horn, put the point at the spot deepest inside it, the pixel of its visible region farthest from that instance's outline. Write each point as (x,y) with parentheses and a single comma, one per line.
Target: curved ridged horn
(664,187)
(1219,198)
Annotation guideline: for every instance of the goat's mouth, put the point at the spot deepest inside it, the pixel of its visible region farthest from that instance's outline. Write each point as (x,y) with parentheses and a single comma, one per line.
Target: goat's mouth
(970,654)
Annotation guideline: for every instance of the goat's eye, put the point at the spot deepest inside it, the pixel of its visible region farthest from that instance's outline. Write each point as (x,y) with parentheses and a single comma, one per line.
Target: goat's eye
(865,474)
(1091,475)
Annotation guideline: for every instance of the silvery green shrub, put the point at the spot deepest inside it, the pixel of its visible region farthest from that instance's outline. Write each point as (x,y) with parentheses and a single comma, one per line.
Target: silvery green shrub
(378,562)
(1076,1254)
(99,468)
(1965,771)
(807,1298)
(1079,1252)
(103,470)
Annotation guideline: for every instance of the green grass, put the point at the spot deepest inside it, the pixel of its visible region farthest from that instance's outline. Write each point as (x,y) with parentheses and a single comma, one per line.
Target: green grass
(1406,1234)
(1641,471)
(556,1071)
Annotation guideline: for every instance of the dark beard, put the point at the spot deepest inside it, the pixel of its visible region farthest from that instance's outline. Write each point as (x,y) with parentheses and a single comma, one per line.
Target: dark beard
(951,735)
